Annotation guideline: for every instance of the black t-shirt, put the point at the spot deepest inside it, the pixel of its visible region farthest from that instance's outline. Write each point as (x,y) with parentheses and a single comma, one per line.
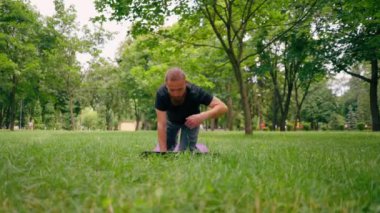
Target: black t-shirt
(195,96)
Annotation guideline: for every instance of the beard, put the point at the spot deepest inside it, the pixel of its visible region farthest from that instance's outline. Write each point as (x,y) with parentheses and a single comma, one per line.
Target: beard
(177,101)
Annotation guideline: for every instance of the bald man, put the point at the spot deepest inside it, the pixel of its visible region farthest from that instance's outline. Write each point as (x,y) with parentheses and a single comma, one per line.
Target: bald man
(177,108)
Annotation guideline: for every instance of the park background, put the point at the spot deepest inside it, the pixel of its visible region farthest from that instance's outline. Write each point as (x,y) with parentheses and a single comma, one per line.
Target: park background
(273,63)
(278,65)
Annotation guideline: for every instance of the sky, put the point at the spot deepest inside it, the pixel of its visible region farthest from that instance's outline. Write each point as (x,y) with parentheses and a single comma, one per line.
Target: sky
(85,11)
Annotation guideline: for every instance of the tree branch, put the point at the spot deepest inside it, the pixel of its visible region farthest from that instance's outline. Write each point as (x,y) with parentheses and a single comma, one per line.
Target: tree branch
(255,10)
(187,42)
(219,15)
(283,33)
(358,76)
(211,20)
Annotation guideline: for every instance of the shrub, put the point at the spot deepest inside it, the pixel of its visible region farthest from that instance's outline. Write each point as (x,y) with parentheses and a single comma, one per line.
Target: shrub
(89,118)
(49,116)
(337,122)
(37,116)
(306,126)
(341,127)
(360,126)
(289,127)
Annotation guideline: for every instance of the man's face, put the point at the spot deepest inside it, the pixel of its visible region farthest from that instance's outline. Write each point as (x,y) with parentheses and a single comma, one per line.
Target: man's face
(177,91)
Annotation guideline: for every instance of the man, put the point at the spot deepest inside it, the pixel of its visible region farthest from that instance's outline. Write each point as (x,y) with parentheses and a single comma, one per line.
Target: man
(177,108)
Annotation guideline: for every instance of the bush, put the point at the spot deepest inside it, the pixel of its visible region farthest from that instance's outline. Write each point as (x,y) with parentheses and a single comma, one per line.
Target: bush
(49,116)
(337,122)
(306,126)
(89,118)
(289,127)
(341,127)
(37,116)
(360,126)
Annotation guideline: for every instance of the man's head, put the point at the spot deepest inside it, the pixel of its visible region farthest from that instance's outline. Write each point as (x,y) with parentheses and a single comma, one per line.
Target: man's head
(175,81)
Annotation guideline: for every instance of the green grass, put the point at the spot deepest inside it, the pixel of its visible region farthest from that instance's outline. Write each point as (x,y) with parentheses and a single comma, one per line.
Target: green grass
(103,171)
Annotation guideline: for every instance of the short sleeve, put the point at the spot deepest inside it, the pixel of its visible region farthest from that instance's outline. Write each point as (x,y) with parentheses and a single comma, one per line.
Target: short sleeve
(160,102)
(204,97)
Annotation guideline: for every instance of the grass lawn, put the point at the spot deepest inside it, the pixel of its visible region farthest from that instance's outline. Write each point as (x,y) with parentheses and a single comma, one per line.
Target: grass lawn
(269,171)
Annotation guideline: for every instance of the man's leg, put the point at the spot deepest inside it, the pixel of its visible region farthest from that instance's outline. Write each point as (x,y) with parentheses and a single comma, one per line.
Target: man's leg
(189,138)
(171,135)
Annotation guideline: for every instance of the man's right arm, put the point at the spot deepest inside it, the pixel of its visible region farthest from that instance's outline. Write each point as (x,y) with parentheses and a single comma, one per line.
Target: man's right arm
(161,130)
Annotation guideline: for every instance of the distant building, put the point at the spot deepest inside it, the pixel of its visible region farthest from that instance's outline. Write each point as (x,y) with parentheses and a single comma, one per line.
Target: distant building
(129,126)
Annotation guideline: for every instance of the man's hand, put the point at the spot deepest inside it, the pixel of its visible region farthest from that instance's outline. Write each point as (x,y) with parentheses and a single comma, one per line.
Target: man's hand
(217,108)
(161,130)
(194,120)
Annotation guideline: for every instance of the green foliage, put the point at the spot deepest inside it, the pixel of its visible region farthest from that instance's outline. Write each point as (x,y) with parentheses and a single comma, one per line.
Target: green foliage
(349,31)
(37,116)
(353,38)
(337,122)
(356,98)
(320,106)
(289,127)
(38,61)
(351,118)
(306,126)
(19,59)
(360,126)
(89,118)
(49,116)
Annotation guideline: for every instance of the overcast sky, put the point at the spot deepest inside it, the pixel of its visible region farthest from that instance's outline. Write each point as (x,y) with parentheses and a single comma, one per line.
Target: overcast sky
(85,11)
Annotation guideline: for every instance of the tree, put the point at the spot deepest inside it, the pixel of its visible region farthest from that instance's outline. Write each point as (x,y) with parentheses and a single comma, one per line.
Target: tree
(356,97)
(292,64)
(19,62)
(101,89)
(351,32)
(310,72)
(61,62)
(144,61)
(320,106)
(89,118)
(229,20)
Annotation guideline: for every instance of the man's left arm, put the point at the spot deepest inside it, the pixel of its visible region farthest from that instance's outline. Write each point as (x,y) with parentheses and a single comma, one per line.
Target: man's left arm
(216,109)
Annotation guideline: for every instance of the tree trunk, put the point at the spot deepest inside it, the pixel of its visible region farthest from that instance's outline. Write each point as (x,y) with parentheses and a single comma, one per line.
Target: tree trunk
(244,101)
(137,123)
(212,124)
(72,120)
(109,119)
(373,95)
(230,118)
(12,104)
(2,115)
(247,112)
(284,114)
(298,108)
(298,119)
(137,115)
(230,115)
(299,103)
(275,114)
(282,124)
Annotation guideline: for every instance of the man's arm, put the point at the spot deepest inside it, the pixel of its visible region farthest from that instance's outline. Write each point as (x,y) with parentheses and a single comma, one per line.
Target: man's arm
(161,130)
(216,109)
